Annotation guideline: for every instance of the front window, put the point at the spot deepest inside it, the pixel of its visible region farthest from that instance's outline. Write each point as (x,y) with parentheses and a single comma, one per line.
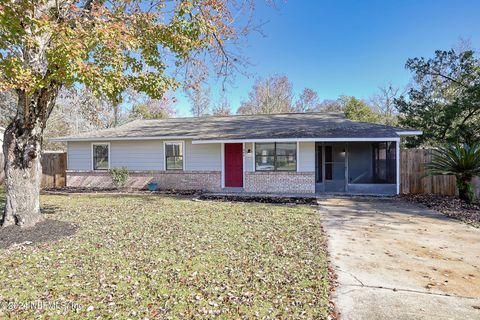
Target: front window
(100,156)
(174,156)
(281,156)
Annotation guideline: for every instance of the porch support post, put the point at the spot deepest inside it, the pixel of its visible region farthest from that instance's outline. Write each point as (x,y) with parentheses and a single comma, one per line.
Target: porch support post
(398,165)
(346,167)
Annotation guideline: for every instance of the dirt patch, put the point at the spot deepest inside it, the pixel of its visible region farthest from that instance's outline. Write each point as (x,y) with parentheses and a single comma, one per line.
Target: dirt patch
(45,231)
(450,206)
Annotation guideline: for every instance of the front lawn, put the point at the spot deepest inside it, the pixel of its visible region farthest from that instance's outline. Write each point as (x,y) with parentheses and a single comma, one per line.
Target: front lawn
(166,257)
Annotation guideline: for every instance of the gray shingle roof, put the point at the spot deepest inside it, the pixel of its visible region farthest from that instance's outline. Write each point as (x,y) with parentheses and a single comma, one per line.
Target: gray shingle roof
(272,126)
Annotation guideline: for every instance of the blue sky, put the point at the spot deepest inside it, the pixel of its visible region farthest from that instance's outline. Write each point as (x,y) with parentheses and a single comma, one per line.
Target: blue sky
(348,47)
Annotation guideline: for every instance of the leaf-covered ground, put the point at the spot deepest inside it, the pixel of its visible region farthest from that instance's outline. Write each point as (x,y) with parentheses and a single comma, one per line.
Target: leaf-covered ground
(166,257)
(452,207)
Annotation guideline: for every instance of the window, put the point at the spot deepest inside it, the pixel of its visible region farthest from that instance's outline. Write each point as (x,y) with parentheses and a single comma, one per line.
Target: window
(281,156)
(100,153)
(173,155)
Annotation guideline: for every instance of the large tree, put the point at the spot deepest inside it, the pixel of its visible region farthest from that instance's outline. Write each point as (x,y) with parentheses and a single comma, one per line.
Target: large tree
(444,100)
(359,110)
(271,95)
(104,46)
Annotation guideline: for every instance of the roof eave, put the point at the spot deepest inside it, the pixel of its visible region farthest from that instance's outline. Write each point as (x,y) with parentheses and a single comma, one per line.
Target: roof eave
(410,133)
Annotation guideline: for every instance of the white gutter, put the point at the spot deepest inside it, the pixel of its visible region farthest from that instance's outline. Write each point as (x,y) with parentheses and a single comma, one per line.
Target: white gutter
(410,133)
(295,140)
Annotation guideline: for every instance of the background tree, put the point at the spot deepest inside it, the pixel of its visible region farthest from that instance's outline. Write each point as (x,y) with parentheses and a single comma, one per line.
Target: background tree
(331,105)
(223,107)
(271,95)
(444,100)
(358,110)
(383,102)
(104,46)
(153,109)
(200,99)
(308,101)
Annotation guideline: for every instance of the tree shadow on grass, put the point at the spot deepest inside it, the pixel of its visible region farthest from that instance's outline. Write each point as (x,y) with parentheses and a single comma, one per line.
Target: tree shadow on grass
(45,231)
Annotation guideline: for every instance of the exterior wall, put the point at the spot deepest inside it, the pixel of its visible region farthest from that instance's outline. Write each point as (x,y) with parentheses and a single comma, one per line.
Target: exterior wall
(186,180)
(203,157)
(137,155)
(306,157)
(280,182)
(79,155)
(145,155)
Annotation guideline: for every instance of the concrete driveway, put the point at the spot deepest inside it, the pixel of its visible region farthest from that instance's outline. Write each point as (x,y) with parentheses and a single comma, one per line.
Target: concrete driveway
(397,260)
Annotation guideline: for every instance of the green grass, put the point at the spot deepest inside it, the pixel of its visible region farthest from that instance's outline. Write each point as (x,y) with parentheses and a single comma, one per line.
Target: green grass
(171,258)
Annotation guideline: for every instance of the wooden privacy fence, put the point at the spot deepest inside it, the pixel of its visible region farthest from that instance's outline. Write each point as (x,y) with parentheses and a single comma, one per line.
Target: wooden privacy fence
(54,165)
(414,180)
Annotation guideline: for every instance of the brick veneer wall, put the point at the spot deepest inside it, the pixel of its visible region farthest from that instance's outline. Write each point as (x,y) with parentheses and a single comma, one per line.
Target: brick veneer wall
(179,180)
(280,182)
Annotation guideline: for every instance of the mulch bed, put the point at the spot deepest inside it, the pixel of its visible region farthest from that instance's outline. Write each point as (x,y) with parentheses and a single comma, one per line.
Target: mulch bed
(195,194)
(260,199)
(44,231)
(450,206)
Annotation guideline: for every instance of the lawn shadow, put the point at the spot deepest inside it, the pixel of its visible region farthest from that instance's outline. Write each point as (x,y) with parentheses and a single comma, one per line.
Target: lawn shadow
(45,231)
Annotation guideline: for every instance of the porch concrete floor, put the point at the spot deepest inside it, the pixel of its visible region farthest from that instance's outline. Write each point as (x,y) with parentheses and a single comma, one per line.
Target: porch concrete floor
(397,260)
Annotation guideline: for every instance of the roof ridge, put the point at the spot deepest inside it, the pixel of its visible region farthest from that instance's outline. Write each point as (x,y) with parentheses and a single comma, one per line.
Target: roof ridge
(340,114)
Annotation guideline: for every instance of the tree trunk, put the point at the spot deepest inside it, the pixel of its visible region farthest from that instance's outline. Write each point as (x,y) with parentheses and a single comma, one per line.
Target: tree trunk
(464,192)
(22,152)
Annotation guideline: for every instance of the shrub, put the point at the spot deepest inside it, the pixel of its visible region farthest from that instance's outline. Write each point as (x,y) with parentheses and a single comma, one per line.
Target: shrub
(119,176)
(460,160)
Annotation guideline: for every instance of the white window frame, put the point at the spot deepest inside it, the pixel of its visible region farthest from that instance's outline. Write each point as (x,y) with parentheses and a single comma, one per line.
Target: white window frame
(165,155)
(91,154)
(275,142)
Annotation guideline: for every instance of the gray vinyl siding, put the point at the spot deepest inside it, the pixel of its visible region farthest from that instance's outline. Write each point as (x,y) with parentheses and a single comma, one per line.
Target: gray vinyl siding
(203,157)
(137,155)
(306,157)
(146,155)
(79,155)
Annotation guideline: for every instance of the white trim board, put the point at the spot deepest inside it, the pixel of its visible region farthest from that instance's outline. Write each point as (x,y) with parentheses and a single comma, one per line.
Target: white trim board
(410,133)
(297,140)
(91,154)
(184,157)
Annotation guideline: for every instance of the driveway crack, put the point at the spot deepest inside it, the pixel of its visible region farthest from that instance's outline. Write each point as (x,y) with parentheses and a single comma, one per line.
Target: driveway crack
(409,290)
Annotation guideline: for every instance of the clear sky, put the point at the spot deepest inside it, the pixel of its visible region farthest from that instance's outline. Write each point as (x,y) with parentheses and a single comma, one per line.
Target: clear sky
(349,47)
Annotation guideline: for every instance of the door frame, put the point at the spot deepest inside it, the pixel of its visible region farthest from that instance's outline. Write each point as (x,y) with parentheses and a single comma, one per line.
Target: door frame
(222,152)
(322,146)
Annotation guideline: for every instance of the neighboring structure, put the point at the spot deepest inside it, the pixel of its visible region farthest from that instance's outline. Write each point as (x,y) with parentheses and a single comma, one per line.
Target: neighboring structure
(279,153)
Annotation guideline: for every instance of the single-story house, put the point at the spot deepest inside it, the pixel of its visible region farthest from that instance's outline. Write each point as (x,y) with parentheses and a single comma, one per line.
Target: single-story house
(300,153)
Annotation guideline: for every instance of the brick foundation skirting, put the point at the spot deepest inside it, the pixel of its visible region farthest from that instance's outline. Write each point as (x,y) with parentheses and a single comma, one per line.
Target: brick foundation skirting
(184,180)
(280,182)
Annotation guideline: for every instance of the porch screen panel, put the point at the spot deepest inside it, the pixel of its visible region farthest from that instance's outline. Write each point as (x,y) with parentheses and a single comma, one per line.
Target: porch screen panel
(372,163)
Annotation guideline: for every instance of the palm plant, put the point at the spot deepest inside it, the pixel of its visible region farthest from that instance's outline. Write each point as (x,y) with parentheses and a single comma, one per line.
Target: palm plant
(461,161)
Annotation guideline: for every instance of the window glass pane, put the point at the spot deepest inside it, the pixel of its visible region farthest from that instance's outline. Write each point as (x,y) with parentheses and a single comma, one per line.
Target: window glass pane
(174,163)
(100,157)
(174,156)
(264,149)
(286,149)
(173,149)
(286,163)
(264,163)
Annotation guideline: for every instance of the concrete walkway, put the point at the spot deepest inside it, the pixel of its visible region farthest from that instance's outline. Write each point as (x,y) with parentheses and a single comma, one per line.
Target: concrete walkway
(396,260)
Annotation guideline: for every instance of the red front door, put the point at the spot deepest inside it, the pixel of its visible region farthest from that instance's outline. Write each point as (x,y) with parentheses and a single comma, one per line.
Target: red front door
(233,165)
